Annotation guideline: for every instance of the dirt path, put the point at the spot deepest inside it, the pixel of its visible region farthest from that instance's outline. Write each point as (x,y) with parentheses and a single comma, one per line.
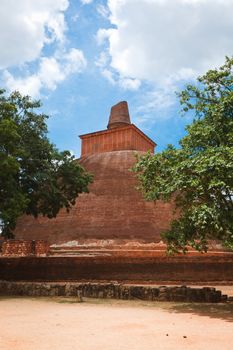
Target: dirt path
(64,324)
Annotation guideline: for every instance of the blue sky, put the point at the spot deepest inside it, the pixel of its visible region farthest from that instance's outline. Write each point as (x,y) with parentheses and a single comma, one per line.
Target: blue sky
(81,57)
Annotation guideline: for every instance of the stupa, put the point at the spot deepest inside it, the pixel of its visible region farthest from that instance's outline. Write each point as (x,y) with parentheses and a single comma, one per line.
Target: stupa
(112,233)
(114,210)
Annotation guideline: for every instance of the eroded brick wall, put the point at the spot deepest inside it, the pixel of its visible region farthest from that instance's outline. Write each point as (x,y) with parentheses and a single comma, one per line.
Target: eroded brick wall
(197,270)
(24,248)
(114,208)
(17,248)
(41,248)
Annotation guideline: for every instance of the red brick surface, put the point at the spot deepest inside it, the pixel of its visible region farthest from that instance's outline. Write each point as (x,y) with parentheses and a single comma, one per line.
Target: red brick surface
(119,115)
(121,138)
(17,248)
(24,248)
(174,269)
(113,209)
(41,248)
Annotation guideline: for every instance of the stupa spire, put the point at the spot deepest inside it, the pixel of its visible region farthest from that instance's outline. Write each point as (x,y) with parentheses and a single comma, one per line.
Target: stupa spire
(119,115)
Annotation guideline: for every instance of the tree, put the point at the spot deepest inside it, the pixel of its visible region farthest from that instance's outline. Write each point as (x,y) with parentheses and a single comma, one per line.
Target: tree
(199,174)
(35,178)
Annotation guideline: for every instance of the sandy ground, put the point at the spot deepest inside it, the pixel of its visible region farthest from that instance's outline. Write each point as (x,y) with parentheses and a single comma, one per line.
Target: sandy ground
(63,323)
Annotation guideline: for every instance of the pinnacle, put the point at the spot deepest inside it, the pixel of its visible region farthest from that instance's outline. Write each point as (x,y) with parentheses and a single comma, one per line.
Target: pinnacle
(119,115)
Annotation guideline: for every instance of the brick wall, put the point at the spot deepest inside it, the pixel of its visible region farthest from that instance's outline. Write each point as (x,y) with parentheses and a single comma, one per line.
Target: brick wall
(24,248)
(151,269)
(114,208)
(124,138)
(17,248)
(41,248)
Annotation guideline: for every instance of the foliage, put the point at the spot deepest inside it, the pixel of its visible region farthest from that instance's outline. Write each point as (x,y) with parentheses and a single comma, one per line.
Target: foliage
(198,175)
(35,178)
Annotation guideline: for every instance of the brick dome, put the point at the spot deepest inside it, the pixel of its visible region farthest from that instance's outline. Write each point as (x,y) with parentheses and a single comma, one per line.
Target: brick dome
(113,210)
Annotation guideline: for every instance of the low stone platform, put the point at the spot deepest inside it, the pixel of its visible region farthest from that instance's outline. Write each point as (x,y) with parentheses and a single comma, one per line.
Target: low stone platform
(114,291)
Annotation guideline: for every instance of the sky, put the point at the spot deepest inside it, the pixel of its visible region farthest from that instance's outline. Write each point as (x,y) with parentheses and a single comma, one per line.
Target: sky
(80,57)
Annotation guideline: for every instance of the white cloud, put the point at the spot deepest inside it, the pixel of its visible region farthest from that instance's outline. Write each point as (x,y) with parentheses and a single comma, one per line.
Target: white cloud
(75,61)
(86,2)
(165,44)
(103,11)
(51,71)
(157,40)
(125,83)
(102,35)
(102,59)
(129,83)
(24,33)
(157,100)
(109,76)
(30,85)
(27,26)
